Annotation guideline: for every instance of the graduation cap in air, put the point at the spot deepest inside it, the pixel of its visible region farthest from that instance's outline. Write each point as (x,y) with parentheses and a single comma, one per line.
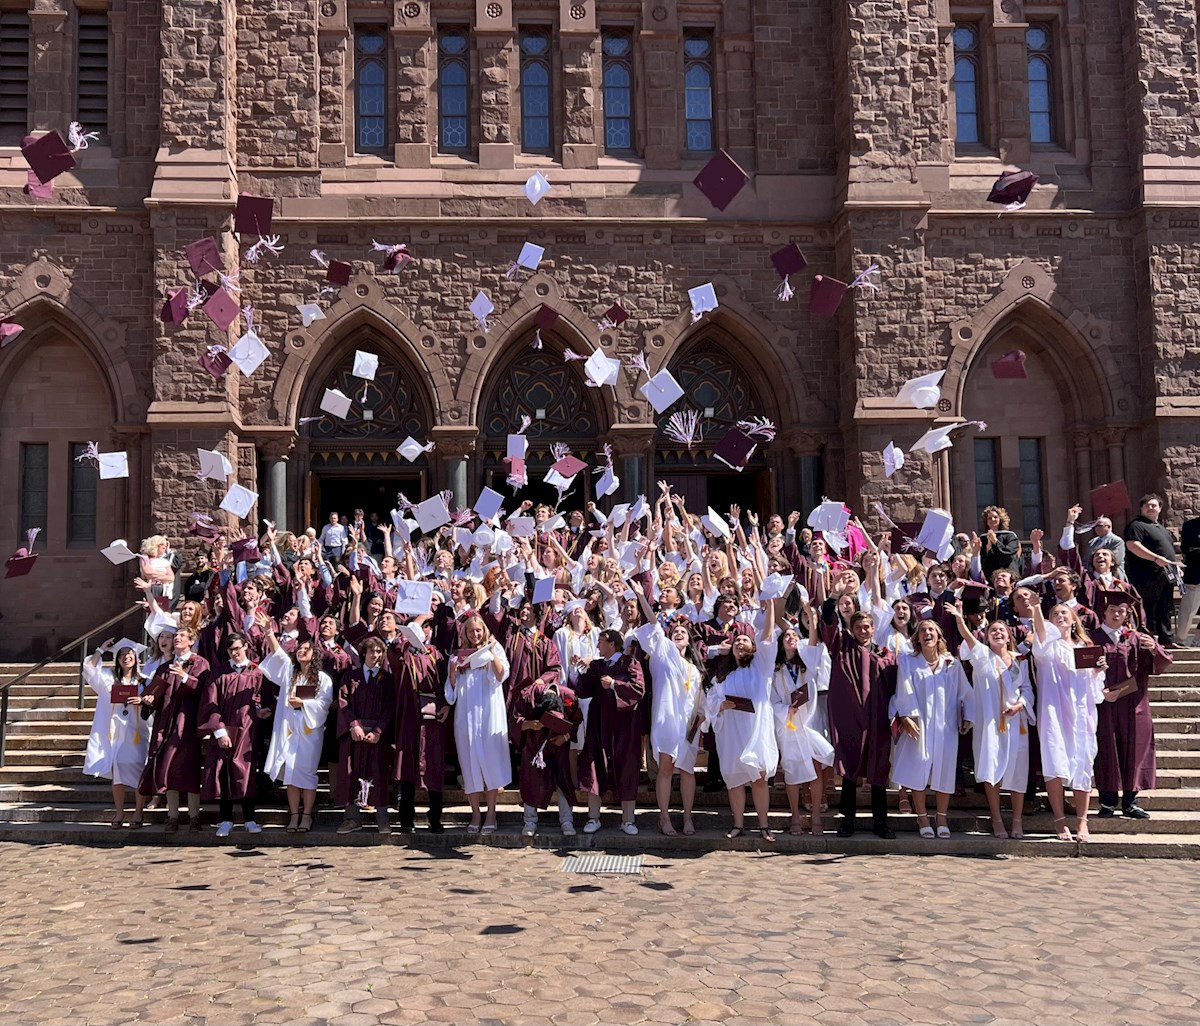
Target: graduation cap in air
(1012,189)
(204,257)
(735,449)
(826,295)
(21,561)
(338,273)
(787,261)
(248,353)
(1010,365)
(216,361)
(222,309)
(893,459)
(48,156)
(245,550)
(922,392)
(721,179)
(239,500)
(614,317)
(1110,499)
(537,188)
(175,309)
(365,365)
(662,390)
(252,215)
(703,299)
(9,330)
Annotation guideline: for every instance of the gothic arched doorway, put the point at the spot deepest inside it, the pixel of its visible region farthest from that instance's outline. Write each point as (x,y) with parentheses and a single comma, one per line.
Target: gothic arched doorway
(351,463)
(540,385)
(718,386)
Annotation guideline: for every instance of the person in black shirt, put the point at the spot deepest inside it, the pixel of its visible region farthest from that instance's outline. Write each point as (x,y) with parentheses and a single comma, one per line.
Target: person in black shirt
(1150,555)
(1189,542)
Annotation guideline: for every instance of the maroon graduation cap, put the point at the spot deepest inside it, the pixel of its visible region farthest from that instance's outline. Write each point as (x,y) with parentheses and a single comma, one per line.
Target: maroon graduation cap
(245,550)
(721,179)
(735,449)
(546,317)
(1110,499)
(204,257)
(1010,365)
(338,272)
(222,309)
(175,309)
(216,361)
(826,296)
(253,215)
(19,563)
(49,155)
(788,260)
(1013,188)
(208,533)
(569,466)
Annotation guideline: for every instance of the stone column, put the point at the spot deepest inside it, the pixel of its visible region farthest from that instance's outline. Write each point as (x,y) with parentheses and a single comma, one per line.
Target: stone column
(662,86)
(633,455)
(1082,444)
(50,74)
(333,56)
(454,446)
(579,58)
(495,41)
(414,50)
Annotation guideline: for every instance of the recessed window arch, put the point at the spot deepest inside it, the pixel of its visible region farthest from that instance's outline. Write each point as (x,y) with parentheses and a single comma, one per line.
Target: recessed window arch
(454,90)
(370,89)
(1039,45)
(617,79)
(698,91)
(537,122)
(967,85)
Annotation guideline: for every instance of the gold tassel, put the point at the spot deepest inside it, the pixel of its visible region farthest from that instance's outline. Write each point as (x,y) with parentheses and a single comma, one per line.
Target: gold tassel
(137,736)
(307,730)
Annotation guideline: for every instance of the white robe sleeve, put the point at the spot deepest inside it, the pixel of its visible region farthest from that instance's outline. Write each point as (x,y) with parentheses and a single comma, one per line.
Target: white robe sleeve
(278,668)
(93,673)
(906,703)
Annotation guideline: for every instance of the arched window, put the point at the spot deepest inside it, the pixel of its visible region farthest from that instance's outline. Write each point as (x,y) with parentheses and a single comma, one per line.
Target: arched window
(536,135)
(370,89)
(618,91)
(700,134)
(453,90)
(1039,42)
(967,65)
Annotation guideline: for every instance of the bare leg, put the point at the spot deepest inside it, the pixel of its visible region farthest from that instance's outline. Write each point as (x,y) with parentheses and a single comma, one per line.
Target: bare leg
(662,789)
(762,807)
(1054,795)
(293,799)
(993,800)
(473,799)
(793,793)
(490,820)
(687,788)
(737,806)
(1018,806)
(118,791)
(310,800)
(943,806)
(816,792)
(1082,800)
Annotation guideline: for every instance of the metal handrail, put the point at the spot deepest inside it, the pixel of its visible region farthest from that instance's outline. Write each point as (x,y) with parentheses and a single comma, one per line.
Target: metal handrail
(82,644)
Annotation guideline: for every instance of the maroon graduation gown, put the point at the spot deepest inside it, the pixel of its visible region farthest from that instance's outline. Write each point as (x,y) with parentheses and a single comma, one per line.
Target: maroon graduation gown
(420,743)
(538,785)
(231,700)
(853,705)
(530,658)
(611,757)
(173,763)
(372,705)
(1125,729)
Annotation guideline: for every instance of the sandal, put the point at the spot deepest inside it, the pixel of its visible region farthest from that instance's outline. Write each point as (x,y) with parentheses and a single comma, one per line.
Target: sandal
(905,808)
(472,828)
(735,832)
(294,823)
(137,822)
(1063,832)
(305,824)
(118,820)
(943,829)
(489,828)
(766,835)
(797,827)
(998,829)
(924,829)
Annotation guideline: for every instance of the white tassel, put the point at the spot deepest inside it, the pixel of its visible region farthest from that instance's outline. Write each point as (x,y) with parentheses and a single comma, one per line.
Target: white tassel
(683,427)
(79,138)
(512,271)
(364,793)
(863,281)
(537,338)
(269,243)
(785,291)
(319,257)
(539,761)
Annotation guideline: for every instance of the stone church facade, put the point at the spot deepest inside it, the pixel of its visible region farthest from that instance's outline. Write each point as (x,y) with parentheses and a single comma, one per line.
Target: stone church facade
(871,130)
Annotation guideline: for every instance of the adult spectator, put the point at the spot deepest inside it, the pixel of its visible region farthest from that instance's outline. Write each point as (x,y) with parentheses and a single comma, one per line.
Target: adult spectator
(333,539)
(1149,561)
(1189,542)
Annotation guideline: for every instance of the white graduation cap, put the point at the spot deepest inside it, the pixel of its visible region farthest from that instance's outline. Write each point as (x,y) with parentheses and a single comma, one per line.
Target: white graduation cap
(310,312)
(112,465)
(414,634)
(432,514)
(640,509)
(934,440)
(555,480)
(239,501)
(482,307)
(516,573)
(138,647)
(483,537)
(119,552)
(715,523)
(489,502)
(249,353)
(402,526)
(543,589)
(530,256)
(661,390)
(829,517)
(413,598)
(536,188)
(608,483)
(601,370)
(553,523)
(410,448)
(336,402)
(480,658)
(464,537)
(893,459)
(518,445)
(521,527)
(365,365)
(628,557)
(922,392)
(937,533)
(775,586)
(214,466)
(503,542)
(617,515)
(703,298)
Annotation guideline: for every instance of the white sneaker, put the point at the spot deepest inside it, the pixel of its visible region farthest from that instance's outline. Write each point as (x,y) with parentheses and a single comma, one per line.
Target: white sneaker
(591,826)
(252,827)
(629,828)
(568,829)
(224,829)
(529,830)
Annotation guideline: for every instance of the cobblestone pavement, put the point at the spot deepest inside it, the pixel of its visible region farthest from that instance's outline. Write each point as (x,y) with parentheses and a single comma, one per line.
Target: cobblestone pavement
(389,935)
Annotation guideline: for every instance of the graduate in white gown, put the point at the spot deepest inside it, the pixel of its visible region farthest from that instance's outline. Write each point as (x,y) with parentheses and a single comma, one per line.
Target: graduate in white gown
(933,702)
(475,687)
(1067,702)
(120,739)
(804,753)
(675,706)
(1002,714)
(576,640)
(298,732)
(738,708)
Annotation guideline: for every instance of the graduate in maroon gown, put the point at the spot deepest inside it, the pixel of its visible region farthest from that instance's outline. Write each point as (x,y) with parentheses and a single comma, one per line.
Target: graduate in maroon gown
(1124,730)
(366,707)
(173,763)
(335,661)
(532,653)
(611,758)
(544,719)
(232,702)
(421,725)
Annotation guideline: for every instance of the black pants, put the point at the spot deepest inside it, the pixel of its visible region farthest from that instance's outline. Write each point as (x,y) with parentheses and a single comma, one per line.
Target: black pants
(226,804)
(407,803)
(1158,598)
(1109,799)
(848,803)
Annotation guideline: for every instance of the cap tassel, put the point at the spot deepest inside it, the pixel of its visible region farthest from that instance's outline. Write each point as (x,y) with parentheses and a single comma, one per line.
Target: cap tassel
(539,761)
(229,282)
(684,427)
(537,338)
(570,354)
(79,138)
(364,793)
(31,537)
(92,452)
(638,363)
(403,504)
(785,292)
(525,422)
(197,297)
(309,420)
(559,450)
(863,281)
(269,243)
(483,324)
(758,427)
(604,324)
(321,259)
(512,271)
(447,496)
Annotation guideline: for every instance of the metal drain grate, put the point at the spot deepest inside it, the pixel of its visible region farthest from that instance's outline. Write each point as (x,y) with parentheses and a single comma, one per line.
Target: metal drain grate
(626,865)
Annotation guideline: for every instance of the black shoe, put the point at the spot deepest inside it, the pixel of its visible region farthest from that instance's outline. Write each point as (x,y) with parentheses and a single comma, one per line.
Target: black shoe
(714,785)
(1106,812)
(846,828)
(885,832)
(436,828)
(1135,811)
(406,828)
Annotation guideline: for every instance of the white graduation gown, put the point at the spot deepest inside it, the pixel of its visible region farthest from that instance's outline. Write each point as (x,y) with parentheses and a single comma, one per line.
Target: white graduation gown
(939,698)
(1067,703)
(297,734)
(1001,756)
(481,726)
(801,744)
(120,739)
(583,645)
(675,698)
(746,741)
